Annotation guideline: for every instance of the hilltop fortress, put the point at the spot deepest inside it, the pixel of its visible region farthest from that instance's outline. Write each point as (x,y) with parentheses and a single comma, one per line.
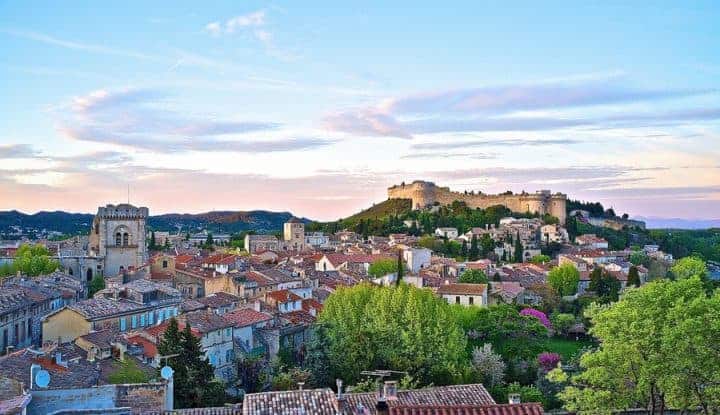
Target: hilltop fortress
(424,194)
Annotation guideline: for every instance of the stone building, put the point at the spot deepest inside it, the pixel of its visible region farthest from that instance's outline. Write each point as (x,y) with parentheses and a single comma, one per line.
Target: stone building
(294,234)
(425,194)
(117,238)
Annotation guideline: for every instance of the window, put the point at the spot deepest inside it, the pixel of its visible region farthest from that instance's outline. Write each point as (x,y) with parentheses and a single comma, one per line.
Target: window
(228,332)
(118,239)
(151,318)
(122,324)
(126,239)
(457,299)
(472,300)
(133,323)
(165,265)
(142,320)
(229,356)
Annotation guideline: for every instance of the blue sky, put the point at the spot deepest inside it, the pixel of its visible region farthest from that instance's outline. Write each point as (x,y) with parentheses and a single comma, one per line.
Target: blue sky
(317,107)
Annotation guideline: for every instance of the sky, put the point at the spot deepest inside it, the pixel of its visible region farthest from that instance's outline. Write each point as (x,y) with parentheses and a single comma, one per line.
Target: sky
(317,107)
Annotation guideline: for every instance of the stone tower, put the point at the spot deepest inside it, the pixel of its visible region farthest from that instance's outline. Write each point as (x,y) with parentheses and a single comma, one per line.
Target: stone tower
(117,238)
(294,234)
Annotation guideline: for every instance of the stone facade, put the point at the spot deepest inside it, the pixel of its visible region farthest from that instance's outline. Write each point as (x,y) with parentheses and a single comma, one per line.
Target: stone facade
(117,238)
(425,194)
(294,235)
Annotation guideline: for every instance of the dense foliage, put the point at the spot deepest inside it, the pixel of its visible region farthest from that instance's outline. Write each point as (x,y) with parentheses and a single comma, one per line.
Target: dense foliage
(473,276)
(655,352)
(194,379)
(127,371)
(564,279)
(400,328)
(31,260)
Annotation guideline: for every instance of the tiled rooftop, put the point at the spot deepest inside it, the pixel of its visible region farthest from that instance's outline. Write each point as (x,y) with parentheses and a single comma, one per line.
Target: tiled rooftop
(311,401)
(243,317)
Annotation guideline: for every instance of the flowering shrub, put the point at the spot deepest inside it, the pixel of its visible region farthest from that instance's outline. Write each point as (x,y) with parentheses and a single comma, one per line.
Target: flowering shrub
(548,361)
(538,315)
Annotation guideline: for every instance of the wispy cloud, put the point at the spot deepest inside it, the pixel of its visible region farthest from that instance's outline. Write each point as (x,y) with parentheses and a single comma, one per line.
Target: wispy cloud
(501,109)
(447,145)
(131,118)
(87,47)
(250,21)
(17,151)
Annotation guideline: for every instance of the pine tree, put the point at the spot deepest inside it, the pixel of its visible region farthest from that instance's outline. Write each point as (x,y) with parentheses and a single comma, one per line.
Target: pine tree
(633,277)
(152,245)
(464,249)
(199,389)
(474,250)
(400,268)
(209,241)
(518,249)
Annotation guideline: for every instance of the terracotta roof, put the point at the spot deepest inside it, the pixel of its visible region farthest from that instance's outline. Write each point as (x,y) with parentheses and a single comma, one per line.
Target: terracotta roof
(309,401)
(310,303)
(101,339)
(221,259)
(204,321)
(243,317)
(507,409)
(219,299)
(149,348)
(472,394)
(284,296)
(462,289)
(298,317)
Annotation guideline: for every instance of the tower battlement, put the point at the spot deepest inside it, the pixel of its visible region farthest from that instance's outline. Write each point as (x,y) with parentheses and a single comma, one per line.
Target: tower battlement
(425,194)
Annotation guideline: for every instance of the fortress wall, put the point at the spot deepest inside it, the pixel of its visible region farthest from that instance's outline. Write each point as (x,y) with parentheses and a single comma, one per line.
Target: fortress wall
(426,194)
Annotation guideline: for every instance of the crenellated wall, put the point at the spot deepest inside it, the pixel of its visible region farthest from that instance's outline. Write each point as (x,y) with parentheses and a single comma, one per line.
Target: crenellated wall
(424,194)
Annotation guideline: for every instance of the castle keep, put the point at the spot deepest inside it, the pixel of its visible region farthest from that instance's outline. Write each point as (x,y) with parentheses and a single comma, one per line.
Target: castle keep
(424,194)
(117,238)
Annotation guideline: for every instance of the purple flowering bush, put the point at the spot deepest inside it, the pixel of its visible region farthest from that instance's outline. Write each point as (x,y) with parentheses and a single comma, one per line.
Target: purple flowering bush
(548,361)
(538,315)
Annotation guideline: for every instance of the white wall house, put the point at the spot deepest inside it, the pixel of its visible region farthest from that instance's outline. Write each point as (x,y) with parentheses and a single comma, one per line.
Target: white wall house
(464,294)
(417,259)
(450,233)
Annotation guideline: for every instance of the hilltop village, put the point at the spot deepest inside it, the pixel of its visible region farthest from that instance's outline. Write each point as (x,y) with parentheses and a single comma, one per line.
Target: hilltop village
(99,312)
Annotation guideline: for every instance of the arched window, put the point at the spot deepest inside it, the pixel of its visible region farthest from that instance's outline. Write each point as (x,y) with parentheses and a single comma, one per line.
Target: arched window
(126,239)
(89,274)
(118,239)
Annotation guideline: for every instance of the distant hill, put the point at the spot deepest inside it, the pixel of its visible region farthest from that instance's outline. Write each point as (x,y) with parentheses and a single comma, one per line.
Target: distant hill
(219,221)
(382,210)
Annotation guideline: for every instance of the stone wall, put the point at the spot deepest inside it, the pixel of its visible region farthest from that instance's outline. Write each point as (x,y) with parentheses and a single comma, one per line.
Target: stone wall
(137,398)
(425,194)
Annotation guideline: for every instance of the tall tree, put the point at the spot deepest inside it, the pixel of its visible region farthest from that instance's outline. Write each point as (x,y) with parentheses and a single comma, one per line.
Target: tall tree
(633,278)
(200,388)
(654,352)
(152,244)
(474,252)
(473,276)
(564,279)
(518,250)
(400,268)
(209,240)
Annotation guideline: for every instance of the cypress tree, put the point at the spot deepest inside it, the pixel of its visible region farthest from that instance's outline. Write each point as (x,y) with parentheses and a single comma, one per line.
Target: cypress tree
(400,268)
(633,277)
(474,250)
(518,249)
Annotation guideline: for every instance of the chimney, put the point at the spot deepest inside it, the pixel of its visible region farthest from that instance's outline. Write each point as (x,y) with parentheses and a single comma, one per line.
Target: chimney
(339,384)
(514,398)
(390,390)
(381,407)
(300,385)
(34,368)
(91,354)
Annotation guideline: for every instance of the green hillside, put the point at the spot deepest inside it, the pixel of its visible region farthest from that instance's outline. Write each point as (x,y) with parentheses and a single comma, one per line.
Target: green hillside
(390,207)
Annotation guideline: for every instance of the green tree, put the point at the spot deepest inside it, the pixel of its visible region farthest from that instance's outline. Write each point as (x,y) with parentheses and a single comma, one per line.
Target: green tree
(604,285)
(633,278)
(474,252)
(654,352)
(200,388)
(400,268)
(209,242)
(96,284)
(33,260)
(540,259)
(562,322)
(400,328)
(488,245)
(691,266)
(464,249)
(518,250)
(383,267)
(473,276)
(127,371)
(564,279)
(639,258)
(152,244)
